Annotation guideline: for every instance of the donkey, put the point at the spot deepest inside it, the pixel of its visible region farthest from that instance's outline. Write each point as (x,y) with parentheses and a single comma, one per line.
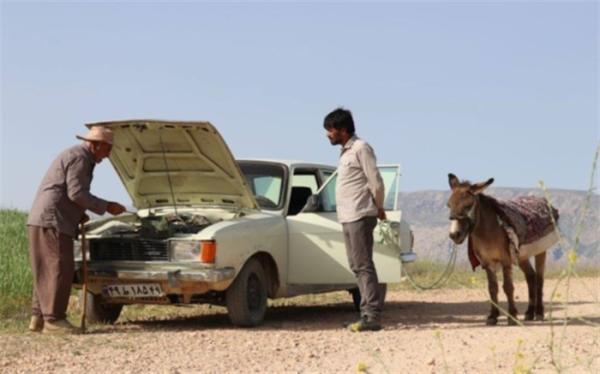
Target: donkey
(477,216)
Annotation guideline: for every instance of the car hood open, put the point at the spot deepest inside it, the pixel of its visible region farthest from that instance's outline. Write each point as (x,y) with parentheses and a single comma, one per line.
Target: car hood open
(158,160)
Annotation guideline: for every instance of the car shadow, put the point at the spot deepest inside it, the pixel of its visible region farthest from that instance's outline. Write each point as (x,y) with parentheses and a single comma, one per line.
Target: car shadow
(396,316)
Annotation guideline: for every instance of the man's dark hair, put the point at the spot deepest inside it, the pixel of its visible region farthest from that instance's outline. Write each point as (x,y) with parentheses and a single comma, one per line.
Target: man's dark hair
(340,119)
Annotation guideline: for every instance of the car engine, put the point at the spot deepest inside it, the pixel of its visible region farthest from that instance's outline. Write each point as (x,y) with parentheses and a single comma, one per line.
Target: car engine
(144,240)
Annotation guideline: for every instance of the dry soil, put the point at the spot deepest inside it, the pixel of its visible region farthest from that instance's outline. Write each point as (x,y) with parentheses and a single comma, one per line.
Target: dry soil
(425,332)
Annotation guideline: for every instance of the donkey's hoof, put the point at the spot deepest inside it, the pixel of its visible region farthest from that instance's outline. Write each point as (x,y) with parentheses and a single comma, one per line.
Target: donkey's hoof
(512,321)
(491,321)
(539,317)
(528,316)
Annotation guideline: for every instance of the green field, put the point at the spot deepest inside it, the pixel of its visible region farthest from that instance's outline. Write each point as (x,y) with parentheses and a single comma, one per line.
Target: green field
(15,272)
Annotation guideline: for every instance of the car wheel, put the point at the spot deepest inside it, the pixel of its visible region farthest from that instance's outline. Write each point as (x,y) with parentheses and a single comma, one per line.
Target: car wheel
(246,298)
(98,311)
(355,292)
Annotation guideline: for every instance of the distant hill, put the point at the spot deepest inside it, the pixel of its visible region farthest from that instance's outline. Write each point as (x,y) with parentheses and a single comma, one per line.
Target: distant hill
(427,213)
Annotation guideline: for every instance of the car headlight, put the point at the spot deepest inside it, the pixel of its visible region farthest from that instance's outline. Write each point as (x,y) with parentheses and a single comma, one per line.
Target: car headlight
(189,250)
(185,250)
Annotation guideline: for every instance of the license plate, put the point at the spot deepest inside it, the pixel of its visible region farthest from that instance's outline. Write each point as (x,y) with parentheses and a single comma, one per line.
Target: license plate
(133,290)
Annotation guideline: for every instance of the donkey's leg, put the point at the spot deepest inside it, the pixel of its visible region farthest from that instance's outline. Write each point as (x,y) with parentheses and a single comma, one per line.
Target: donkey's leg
(527,269)
(540,264)
(509,290)
(492,319)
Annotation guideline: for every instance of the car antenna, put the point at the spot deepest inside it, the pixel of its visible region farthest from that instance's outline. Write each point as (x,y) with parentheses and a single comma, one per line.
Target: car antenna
(162,147)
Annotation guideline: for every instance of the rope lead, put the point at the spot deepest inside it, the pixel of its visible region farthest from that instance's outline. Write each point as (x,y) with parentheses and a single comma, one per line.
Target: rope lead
(388,236)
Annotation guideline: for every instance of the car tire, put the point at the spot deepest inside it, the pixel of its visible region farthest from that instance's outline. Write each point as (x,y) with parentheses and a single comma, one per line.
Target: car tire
(355,292)
(98,311)
(246,298)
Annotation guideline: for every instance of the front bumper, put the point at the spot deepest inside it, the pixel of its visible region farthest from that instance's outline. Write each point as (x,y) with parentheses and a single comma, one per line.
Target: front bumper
(154,272)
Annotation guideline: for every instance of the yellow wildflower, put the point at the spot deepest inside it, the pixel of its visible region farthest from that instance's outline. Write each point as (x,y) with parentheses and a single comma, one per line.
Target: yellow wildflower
(361,367)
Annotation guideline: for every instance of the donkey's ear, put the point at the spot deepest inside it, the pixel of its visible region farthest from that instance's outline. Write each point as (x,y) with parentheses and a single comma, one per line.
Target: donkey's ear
(453,181)
(479,187)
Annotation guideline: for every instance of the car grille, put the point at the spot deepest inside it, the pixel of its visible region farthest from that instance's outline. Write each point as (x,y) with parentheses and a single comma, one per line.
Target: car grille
(128,250)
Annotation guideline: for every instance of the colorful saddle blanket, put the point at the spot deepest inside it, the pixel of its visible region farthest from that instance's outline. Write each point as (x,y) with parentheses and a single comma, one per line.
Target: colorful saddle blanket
(525,218)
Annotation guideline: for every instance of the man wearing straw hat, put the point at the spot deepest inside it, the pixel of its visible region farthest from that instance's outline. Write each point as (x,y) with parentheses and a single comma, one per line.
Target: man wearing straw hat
(59,206)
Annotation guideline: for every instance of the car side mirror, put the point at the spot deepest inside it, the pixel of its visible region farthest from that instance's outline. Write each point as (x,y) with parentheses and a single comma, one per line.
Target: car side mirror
(313,204)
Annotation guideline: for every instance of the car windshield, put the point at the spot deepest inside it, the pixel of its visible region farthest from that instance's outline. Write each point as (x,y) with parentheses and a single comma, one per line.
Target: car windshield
(266,182)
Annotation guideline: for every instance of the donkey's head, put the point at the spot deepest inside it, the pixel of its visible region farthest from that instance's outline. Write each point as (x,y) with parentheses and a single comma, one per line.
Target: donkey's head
(463,204)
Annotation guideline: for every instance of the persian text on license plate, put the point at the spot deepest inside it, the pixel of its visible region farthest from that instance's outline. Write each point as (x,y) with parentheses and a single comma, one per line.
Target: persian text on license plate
(133,290)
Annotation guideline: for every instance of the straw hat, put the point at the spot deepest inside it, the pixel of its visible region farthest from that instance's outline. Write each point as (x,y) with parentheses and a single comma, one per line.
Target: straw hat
(98,134)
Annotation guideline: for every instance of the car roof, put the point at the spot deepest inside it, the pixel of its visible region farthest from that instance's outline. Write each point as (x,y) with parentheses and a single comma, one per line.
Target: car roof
(289,163)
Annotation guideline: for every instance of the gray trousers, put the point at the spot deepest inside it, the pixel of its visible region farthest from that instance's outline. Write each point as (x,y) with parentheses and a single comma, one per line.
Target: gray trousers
(358,237)
(52,265)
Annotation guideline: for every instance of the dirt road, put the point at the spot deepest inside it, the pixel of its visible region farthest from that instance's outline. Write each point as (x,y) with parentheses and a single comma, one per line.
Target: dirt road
(425,332)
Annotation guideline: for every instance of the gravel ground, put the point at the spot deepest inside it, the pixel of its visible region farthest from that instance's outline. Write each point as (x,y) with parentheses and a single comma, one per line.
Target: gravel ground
(425,332)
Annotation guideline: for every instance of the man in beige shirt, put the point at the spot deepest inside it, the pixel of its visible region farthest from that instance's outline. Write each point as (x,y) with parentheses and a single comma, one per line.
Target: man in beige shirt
(59,206)
(359,198)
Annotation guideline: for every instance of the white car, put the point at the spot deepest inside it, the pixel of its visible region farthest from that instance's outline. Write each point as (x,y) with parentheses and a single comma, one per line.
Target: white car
(210,229)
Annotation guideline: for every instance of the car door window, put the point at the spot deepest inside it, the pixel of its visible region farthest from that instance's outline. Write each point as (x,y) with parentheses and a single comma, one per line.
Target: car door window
(390,176)
(327,174)
(327,195)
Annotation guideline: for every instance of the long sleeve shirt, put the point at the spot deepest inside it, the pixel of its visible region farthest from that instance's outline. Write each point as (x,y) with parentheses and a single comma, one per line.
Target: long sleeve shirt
(359,187)
(64,193)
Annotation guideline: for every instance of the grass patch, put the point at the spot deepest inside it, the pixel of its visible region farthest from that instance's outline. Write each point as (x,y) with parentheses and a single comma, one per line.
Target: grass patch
(15,271)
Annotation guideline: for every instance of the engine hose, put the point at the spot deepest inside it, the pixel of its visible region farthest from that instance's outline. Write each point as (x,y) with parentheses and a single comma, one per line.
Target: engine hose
(388,238)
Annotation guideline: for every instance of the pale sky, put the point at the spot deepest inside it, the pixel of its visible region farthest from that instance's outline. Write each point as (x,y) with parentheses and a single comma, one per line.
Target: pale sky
(479,88)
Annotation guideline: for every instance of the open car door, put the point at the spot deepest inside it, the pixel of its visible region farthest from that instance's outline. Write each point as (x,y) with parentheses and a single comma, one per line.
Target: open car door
(317,253)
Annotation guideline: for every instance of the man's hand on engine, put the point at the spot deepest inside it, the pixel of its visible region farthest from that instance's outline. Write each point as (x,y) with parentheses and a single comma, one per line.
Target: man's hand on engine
(114,208)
